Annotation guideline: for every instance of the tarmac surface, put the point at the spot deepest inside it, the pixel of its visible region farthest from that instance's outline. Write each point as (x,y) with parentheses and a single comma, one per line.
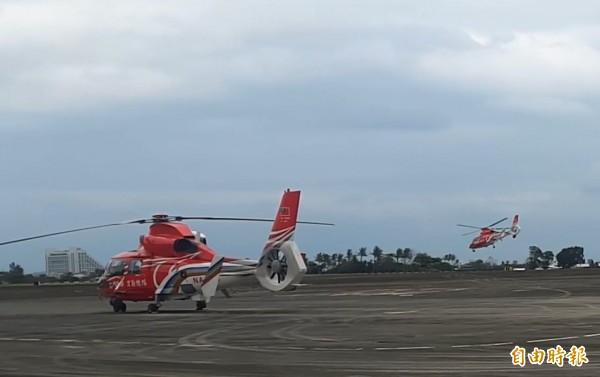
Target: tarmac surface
(431,324)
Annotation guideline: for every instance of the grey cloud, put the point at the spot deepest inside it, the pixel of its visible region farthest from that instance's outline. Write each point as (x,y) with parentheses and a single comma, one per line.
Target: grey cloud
(118,112)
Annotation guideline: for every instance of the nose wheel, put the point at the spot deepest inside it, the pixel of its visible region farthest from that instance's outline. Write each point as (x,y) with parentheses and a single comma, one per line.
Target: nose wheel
(118,305)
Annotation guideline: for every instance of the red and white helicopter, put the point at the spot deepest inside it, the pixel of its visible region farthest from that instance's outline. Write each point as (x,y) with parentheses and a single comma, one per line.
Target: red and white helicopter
(172,262)
(488,236)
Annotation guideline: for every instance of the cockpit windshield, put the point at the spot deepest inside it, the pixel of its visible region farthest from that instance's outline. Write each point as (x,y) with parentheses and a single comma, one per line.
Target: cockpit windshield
(116,267)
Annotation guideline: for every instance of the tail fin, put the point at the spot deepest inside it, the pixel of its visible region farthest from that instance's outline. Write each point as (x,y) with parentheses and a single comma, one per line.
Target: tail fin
(211,279)
(286,218)
(515,228)
(281,265)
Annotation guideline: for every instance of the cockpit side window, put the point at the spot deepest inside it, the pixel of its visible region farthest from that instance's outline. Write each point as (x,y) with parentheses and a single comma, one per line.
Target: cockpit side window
(116,267)
(135,267)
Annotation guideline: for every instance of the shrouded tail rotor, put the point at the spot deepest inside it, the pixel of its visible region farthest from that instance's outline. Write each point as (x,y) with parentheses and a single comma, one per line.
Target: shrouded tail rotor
(280,269)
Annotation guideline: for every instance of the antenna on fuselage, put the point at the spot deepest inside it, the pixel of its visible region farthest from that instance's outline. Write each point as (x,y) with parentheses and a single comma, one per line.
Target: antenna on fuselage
(199,237)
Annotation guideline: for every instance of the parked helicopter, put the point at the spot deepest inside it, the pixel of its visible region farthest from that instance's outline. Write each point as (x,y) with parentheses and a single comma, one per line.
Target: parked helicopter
(173,262)
(488,236)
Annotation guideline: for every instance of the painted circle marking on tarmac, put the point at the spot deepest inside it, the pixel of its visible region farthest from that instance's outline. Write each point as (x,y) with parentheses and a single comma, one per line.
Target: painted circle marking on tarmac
(551,339)
(349,349)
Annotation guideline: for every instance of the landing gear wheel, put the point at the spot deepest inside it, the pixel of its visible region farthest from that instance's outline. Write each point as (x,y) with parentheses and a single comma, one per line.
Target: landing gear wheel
(118,306)
(152,308)
(200,305)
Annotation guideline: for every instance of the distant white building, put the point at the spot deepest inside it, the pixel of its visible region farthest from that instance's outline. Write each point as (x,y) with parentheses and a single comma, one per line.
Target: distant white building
(75,260)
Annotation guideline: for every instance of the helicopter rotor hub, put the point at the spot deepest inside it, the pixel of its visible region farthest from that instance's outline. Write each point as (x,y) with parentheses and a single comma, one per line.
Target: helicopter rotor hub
(160,217)
(276,266)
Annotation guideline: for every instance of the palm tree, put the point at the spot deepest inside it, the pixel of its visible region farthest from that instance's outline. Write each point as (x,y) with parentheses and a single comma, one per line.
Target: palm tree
(362,252)
(349,255)
(449,257)
(334,258)
(327,259)
(377,253)
(408,254)
(399,254)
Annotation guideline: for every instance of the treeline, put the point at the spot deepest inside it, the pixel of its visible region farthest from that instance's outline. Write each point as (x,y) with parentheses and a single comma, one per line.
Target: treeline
(377,260)
(566,258)
(407,260)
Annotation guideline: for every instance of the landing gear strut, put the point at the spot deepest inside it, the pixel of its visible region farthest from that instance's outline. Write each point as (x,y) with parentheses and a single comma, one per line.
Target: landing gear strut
(118,305)
(200,305)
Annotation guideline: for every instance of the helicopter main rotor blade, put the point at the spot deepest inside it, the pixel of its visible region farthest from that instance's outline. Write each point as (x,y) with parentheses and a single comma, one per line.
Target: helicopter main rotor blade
(497,222)
(470,226)
(162,219)
(466,234)
(179,218)
(314,223)
(74,230)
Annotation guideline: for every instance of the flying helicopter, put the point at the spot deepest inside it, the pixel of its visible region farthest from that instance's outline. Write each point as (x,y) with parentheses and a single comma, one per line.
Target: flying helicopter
(488,236)
(172,262)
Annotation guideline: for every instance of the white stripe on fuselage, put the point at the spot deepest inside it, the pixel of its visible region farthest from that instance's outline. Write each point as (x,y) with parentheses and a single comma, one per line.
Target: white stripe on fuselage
(244,276)
(235,273)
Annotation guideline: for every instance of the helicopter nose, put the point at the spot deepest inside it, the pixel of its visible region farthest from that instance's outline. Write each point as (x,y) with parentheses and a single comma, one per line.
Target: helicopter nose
(102,282)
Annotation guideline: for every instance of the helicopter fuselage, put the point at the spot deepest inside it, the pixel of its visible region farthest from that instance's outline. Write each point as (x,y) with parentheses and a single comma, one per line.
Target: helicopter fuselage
(144,279)
(169,263)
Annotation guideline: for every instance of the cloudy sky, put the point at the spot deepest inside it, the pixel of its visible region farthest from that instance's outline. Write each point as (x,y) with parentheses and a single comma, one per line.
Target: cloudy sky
(396,119)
